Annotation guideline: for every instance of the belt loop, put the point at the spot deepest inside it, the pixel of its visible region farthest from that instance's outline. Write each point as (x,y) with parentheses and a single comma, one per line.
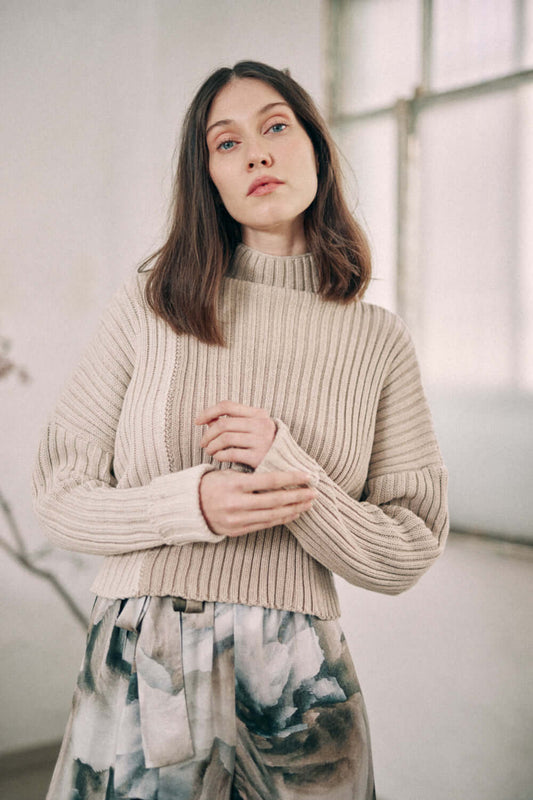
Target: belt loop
(188,606)
(132,613)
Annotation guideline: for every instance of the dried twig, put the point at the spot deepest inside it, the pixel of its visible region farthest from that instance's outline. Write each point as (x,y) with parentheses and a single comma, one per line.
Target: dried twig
(18,551)
(7,365)
(24,558)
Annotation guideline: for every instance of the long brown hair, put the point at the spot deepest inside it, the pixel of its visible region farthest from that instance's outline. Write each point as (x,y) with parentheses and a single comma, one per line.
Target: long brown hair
(184,284)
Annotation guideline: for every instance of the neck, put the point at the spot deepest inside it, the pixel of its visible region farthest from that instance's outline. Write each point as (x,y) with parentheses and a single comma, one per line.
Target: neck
(288,241)
(290,272)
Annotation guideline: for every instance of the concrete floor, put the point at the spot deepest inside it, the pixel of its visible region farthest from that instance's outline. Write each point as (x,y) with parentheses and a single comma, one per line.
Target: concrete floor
(446,673)
(26,775)
(30,785)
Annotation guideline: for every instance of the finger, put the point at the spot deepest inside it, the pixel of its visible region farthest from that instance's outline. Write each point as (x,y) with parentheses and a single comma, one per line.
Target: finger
(224,425)
(231,441)
(260,520)
(230,408)
(293,512)
(228,439)
(277,479)
(279,499)
(235,455)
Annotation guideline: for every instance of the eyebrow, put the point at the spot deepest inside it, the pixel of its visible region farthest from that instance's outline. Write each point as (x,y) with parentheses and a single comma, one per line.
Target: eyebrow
(261,111)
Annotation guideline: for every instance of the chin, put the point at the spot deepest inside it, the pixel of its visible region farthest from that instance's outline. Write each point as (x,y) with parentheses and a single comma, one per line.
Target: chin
(274,220)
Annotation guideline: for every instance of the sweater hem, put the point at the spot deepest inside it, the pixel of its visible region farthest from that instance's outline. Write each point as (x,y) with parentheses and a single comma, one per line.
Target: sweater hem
(327,611)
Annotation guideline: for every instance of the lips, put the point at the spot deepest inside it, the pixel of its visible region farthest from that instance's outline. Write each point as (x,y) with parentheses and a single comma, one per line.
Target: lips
(263,185)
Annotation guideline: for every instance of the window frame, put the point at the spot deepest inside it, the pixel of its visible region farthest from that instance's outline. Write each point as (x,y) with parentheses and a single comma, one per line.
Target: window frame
(406,111)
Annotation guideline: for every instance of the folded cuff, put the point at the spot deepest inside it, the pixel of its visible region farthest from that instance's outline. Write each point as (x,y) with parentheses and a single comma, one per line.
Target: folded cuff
(286,454)
(174,507)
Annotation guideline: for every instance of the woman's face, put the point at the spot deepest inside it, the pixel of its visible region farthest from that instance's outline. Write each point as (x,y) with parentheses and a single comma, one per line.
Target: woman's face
(261,160)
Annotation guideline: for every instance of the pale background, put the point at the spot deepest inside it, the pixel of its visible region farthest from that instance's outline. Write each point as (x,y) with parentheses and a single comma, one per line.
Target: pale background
(92,97)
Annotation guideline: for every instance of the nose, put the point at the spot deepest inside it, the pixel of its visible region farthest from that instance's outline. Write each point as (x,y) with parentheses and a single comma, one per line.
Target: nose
(258,155)
(264,161)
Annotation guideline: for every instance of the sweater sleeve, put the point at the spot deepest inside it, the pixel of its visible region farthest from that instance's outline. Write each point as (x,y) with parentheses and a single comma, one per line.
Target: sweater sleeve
(74,486)
(387,539)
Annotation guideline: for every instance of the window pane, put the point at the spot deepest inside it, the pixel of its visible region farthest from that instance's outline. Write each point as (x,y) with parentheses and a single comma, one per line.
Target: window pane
(370,148)
(469,241)
(380,52)
(524,188)
(527,61)
(472,40)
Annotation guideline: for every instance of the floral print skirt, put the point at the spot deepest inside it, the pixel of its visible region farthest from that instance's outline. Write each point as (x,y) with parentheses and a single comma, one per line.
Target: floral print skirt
(183,700)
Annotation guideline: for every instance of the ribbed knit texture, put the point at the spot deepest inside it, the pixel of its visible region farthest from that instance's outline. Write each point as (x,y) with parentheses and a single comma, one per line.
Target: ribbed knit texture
(119,466)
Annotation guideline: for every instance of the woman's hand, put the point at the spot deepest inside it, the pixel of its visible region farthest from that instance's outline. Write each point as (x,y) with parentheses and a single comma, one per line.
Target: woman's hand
(236,432)
(235,503)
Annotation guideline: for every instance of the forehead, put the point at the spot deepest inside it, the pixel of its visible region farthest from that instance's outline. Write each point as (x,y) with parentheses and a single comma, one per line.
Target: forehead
(242,98)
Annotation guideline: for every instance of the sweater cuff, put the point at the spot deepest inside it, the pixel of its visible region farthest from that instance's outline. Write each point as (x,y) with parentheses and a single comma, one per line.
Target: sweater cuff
(174,507)
(286,454)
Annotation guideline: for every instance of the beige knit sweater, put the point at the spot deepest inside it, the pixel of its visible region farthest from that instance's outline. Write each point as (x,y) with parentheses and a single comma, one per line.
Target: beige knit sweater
(120,463)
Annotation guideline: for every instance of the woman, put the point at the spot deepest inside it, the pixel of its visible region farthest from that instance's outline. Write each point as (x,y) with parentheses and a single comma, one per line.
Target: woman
(215,665)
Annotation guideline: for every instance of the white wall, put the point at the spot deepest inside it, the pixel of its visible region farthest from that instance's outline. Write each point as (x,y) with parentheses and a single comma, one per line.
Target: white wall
(92,98)
(487,443)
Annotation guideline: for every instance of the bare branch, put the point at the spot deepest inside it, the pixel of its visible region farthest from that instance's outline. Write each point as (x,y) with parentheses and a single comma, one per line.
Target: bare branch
(7,365)
(20,554)
(46,575)
(13,526)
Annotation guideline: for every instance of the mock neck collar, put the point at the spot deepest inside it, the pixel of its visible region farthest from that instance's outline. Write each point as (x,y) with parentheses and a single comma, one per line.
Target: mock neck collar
(290,272)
